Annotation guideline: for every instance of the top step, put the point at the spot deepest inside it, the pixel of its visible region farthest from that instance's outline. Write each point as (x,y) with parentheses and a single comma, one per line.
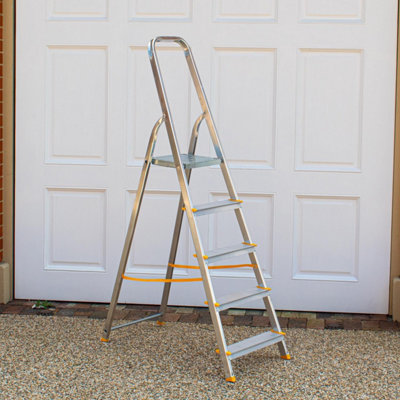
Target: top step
(188,161)
(216,206)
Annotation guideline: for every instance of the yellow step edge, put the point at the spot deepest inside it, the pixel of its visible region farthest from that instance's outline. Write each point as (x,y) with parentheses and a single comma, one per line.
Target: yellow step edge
(228,353)
(279,333)
(265,288)
(193,209)
(215,304)
(205,257)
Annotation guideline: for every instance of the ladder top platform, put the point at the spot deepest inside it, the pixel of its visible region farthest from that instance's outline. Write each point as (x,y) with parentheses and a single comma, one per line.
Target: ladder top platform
(188,161)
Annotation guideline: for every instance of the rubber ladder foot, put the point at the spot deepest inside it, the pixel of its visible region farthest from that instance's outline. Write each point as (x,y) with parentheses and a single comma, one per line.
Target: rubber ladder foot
(286,357)
(104,340)
(231,379)
(161,323)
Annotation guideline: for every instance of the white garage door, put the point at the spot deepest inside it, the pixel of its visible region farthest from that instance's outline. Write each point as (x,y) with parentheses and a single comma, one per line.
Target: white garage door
(303,96)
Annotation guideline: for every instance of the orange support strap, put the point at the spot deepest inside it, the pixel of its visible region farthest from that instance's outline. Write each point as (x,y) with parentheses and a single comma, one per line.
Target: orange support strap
(129,278)
(212,267)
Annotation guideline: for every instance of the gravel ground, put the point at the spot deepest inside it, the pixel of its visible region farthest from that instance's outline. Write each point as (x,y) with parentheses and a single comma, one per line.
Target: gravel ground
(63,358)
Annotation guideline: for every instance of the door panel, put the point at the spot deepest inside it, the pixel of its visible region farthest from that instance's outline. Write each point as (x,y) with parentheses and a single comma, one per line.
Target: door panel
(303,96)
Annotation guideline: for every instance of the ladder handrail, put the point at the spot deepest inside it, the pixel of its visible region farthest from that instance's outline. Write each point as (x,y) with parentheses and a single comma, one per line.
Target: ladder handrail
(207,116)
(200,94)
(158,39)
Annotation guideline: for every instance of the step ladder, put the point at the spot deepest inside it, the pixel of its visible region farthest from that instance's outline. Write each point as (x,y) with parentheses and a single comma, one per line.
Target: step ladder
(184,163)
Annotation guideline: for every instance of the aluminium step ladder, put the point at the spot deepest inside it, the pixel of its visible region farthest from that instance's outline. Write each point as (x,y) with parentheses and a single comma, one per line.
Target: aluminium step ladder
(184,163)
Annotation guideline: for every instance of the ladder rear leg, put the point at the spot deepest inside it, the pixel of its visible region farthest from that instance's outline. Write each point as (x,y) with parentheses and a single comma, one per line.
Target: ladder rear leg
(131,230)
(172,257)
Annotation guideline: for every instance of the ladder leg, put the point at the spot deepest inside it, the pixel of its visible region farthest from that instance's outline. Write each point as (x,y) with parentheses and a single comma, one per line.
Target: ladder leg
(172,257)
(203,267)
(207,284)
(179,219)
(276,327)
(232,193)
(261,282)
(131,230)
(269,307)
(219,333)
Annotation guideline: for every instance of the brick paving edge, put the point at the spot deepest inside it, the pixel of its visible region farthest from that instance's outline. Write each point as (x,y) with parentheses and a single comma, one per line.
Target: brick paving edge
(287,319)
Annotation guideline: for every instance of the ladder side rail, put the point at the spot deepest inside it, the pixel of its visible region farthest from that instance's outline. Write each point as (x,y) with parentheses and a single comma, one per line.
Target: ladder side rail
(188,205)
(267,301)
(273,318)
(231,190)
(217,143)
(162,95)
(210,122)
(179,219)
(131,227)
(207,284)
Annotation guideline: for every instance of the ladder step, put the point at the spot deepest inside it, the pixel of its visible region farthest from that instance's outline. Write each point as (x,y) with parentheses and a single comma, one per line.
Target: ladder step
(254,343)
(234,300)
(227,252)
(216,206)
(188,161)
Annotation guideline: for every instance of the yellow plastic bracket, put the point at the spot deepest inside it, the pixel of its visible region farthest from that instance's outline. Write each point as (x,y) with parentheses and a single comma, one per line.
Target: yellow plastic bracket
(104,340)
(249,244)
(279,333)
(286,357)
(228,353)
(265,288)
(236,201)
(231,379)
(215,304)
(205,257)
(193,209)
(160,323)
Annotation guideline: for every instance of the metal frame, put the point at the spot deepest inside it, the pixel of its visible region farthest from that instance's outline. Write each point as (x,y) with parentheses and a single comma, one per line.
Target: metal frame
(186,205)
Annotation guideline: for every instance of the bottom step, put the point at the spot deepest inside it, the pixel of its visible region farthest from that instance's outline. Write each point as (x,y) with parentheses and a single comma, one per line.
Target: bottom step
(254,343)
